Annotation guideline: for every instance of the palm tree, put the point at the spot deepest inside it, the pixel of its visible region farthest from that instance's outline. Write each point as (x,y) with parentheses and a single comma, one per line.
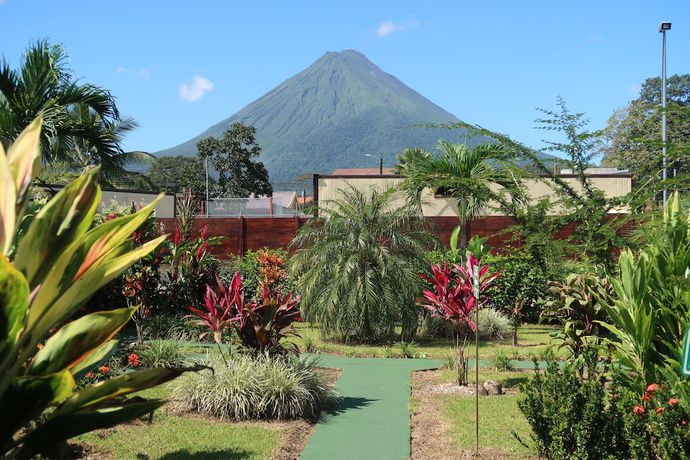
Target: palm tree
(75,115)
(473,176)
(357,268)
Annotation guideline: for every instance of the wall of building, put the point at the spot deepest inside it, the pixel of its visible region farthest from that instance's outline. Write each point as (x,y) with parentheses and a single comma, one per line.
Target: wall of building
(330,188)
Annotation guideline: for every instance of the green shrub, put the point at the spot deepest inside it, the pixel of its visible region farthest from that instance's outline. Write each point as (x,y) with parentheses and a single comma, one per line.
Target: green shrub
(592,418)
(257,387)
(571,418)
(501,361)
(357,269)
(492,324)
(162,353)
(521,279)
(171,327)
(407,349)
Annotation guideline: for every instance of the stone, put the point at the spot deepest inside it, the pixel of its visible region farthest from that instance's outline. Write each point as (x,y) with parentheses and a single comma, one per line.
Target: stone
(493,388)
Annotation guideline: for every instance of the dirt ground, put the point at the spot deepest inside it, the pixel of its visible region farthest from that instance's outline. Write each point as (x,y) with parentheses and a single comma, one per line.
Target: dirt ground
(431,439)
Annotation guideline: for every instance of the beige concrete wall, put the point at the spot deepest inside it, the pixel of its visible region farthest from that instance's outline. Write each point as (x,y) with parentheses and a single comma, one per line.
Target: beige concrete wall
(330,188)
(164,209)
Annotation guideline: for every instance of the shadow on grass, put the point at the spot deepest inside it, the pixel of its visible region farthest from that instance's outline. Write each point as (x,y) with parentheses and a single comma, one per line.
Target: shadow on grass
(512,382)
(220,454)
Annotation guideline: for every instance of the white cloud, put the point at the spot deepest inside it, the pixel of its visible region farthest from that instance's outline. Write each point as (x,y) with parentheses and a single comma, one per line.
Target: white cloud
(388,27)
(195,90)
(119,69)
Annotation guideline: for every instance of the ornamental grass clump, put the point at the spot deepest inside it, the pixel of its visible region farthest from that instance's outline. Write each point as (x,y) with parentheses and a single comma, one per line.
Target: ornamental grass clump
(257,387)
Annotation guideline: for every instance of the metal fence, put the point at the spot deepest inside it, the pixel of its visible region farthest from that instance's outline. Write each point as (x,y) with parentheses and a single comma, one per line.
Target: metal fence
(249,207)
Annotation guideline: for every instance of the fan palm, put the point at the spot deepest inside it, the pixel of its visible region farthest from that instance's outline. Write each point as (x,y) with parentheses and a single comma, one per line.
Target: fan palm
(357,268)
(75,115)
(473,176)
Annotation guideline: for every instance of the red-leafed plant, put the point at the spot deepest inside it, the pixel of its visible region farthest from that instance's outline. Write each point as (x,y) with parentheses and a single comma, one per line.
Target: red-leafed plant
(260,325)
(454,299)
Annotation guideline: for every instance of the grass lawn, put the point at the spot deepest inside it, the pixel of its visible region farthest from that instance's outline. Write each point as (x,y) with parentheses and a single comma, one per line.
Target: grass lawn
(176,438)
(533,339)
(499,417)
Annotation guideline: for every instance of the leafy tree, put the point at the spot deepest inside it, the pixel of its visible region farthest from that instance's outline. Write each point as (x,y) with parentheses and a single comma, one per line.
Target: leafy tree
(81,123)
(357,268)
(231,156)
(173,174)
(466,174)
(632,137)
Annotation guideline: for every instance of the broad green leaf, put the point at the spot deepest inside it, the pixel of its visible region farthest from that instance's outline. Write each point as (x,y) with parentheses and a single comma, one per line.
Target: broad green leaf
(27,397)
(454,239)
(75,341)
(63,427)
(50,311)
(8,203)
(95,359)
(76,265)
(14,298)
(63,220)
(129,382)
(24,159)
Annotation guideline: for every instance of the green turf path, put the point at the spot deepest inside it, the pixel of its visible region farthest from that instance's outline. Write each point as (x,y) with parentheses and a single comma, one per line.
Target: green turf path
(372,422)
(373,419)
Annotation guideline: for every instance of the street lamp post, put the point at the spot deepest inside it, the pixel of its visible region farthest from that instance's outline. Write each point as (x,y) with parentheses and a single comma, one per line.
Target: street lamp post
(380,162)
(663,28)
(206,204)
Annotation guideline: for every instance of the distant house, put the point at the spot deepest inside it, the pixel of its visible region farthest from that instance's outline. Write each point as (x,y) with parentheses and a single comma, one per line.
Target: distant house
(613,182)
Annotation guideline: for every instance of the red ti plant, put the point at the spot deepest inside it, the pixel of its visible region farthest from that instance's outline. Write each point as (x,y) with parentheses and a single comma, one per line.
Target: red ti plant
(260,325)
(453,299)
(217,314)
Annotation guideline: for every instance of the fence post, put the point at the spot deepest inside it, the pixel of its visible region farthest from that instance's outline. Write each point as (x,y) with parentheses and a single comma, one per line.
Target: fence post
(270,206)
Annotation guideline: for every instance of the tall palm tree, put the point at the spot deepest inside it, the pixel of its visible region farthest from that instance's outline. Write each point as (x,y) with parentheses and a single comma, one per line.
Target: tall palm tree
(472,176)
(74,114)
(357,268)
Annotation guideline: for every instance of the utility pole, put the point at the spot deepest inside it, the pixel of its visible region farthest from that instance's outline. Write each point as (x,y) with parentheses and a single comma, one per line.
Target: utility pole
(663,28)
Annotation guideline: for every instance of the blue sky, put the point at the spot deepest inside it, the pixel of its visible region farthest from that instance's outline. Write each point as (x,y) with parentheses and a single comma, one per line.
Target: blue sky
(178,67)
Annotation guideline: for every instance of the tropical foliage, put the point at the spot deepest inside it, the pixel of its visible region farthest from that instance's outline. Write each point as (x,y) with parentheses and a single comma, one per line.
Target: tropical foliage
(260,325)
(465,174)
(81,123)
(58,263)
(357,268)
(651,306)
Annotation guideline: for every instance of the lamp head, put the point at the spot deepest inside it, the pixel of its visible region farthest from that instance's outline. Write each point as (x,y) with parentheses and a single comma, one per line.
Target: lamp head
(664,26)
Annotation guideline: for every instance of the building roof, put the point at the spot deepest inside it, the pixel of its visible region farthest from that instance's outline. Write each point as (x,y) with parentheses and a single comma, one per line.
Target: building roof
(362,171)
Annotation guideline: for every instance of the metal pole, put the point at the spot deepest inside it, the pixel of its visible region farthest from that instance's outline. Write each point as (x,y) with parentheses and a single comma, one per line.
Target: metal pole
(663,112)
(206,166)
(476,355)
(381,166)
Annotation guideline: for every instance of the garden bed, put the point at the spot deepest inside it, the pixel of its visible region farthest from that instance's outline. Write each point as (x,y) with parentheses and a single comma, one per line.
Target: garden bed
(174,435)
(443,423)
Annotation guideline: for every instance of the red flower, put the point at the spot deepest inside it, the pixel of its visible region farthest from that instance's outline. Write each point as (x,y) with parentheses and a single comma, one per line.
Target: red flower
(683,422)
(646,396)
(104,369)
(638,410)
(652,387)
(615,396)
(176,237)
(660,410)
(90,375)
(201,250)
(204,232)
(133,360)
(673,401)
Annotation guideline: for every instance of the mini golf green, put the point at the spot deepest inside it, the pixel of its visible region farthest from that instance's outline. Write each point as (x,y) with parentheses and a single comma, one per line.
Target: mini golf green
(372,420)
